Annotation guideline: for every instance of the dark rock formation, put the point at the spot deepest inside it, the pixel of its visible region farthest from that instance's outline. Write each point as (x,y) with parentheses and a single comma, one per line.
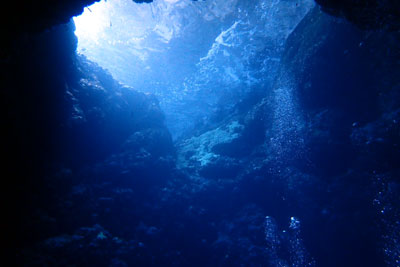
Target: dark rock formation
(368,14)
(36,16)
(28,16)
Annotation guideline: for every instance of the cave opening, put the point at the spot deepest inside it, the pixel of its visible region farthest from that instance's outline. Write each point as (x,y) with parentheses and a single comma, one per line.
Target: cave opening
(199,58)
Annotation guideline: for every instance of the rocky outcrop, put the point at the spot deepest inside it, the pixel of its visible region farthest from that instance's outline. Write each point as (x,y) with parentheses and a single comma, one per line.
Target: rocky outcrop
(64,112)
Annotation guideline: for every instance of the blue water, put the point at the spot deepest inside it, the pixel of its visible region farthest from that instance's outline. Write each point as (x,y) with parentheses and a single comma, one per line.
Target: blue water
(219,133)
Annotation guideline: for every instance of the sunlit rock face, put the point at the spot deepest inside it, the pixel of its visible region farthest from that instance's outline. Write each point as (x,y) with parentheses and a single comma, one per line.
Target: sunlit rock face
(197,57)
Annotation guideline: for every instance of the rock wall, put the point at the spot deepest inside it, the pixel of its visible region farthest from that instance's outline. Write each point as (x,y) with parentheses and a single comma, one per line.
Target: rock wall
(345,82)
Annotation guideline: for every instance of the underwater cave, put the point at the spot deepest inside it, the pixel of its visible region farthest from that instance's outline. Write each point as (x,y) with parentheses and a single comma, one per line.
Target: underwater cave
(201,133)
